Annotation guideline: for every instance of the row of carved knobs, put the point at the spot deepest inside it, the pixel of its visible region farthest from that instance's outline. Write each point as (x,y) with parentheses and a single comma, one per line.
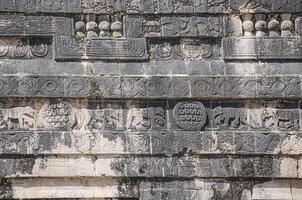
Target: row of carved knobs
(262,25)
(103,29)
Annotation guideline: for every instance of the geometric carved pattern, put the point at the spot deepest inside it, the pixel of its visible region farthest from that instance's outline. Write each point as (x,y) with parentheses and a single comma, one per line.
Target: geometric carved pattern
(151,87)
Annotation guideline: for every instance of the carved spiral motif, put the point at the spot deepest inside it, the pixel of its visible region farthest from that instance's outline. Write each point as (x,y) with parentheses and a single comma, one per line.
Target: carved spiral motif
(20,49)
(164,51)
(78,86)
(202,88)
(157,86)
(39,50)
(190,116)
(3,48)
(28,86)
(180,87)
(52,86)
(6,86)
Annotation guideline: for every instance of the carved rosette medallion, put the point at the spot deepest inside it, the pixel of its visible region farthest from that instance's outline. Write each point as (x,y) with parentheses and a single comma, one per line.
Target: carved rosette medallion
(57,116)
(190,116)
(40,50)
(20,49)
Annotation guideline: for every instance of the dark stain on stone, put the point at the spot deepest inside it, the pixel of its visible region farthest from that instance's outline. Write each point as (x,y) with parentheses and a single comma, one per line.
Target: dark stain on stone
(6,191)
(234,192)
(45,142)
(261,181)
(43,163)
(13,164)
(94,158)
(26,165)
(119,165)
(266,166)
(50,140)
(127,187)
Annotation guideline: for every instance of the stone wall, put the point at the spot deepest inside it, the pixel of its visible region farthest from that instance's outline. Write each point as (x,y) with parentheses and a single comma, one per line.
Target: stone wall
(151,99)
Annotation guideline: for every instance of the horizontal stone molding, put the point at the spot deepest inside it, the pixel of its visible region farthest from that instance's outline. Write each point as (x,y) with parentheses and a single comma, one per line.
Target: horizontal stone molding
(68,188)
(151,167)
(195,189)
(207,189)
(151,86)
(172,68)
(262,48)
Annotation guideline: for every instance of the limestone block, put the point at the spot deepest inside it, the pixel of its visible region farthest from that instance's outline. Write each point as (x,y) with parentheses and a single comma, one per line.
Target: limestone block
(262,48)
(279,189)
(296,189)
(289,168)
(205,189)
(71,188)
(233,26)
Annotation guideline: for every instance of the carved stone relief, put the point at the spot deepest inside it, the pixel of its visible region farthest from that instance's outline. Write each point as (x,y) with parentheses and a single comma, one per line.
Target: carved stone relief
(150,99)
(190,116)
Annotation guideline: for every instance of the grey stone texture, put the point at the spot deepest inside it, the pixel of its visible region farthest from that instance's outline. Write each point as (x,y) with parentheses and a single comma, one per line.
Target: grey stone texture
(151,99)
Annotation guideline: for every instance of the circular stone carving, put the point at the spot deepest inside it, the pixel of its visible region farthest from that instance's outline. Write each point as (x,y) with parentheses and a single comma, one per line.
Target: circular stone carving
(52,87)
(40,50)
(190,116)
(57,116)
(78,86)
(20,49)
(164,51)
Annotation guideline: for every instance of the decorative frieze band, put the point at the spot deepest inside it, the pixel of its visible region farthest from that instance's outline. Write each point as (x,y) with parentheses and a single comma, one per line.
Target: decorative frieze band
(25,48)
(149,6)
(110,6)
(149,142)
(152,127)
(150,86)
(103,40)
(160,115)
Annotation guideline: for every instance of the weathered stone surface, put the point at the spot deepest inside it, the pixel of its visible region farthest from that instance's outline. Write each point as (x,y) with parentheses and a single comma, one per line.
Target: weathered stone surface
(262,48)
(153,127)
(150,99)
(151,86)
(150,167)
(273,190)
(70,188)
(266,6)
